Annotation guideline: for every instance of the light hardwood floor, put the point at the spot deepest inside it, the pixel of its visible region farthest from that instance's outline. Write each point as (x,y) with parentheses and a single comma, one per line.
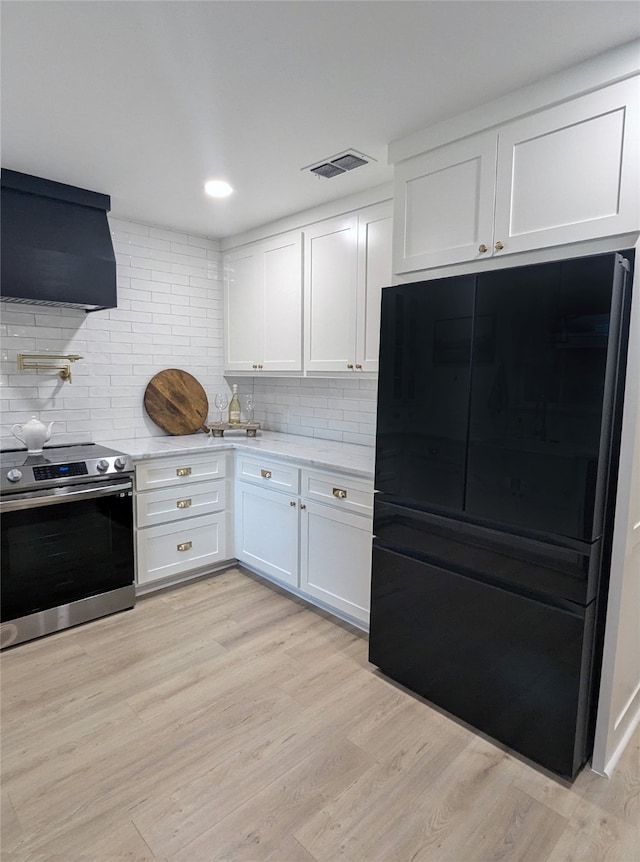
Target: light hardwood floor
(224,720)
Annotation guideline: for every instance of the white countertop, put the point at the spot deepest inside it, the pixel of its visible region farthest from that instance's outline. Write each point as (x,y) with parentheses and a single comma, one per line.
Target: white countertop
(309,451)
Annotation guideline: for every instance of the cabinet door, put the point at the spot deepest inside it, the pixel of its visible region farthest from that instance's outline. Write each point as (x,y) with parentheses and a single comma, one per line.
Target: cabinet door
(570,173)
(443,206)
(336,559)
(330,265)
(281,261)
(267,532)
(243,311)
(374,273)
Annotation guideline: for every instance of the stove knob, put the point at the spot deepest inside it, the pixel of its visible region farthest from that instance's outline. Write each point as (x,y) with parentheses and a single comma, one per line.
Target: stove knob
(120,463)
(14,475)
(102,466)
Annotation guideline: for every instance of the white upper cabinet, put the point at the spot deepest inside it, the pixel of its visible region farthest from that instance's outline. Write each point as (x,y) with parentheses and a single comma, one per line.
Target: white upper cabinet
(374,273)
(444,204)
(570,173)
(330,292)
(263,306)
(244,309)
(347,263)
(561,175)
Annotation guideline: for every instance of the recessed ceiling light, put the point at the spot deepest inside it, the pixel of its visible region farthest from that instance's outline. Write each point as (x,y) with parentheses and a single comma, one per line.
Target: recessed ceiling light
(218,188)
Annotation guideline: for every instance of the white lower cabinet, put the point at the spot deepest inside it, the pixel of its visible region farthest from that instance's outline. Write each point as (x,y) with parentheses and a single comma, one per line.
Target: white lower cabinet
(336,559)
(315,539)
(180,516)
(336,538)
(267,532)
(308,530)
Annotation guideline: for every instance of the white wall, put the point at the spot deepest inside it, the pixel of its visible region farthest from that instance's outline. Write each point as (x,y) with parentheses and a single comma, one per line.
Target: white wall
(619,706)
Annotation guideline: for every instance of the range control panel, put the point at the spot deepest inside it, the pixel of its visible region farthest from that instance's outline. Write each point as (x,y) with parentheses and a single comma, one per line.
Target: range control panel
(59,471)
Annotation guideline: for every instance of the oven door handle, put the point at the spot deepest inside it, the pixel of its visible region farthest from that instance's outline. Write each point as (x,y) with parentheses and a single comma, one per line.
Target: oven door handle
(67,494)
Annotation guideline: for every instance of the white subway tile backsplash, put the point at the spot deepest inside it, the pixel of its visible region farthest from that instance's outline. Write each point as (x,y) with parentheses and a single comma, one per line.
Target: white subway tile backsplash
(203,242)
(329,409)
(171,236)
(186,249)
(125,270)
(191,271)
(121,226)
(162,321)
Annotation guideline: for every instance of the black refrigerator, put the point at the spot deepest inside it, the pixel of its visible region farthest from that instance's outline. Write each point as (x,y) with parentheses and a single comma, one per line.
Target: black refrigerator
(498,427)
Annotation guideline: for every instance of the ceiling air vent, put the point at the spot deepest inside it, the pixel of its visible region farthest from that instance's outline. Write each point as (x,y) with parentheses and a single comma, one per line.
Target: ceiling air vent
(339,164)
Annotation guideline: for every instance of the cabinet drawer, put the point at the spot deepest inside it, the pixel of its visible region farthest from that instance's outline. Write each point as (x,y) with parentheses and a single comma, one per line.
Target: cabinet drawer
(269,474)
(344,492)
(173,549)
(177,504)
(179,470)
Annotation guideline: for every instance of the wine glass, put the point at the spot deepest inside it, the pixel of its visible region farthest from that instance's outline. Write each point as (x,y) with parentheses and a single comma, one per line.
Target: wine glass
(221,402)
(249,405)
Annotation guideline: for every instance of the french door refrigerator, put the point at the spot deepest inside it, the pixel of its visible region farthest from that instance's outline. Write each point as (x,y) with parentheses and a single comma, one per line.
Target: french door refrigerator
(498,425)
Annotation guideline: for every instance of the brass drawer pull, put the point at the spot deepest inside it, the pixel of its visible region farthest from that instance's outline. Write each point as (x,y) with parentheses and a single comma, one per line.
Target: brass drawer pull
(183,471)
(266,474)
(184,546)
(340,493)
(183,504)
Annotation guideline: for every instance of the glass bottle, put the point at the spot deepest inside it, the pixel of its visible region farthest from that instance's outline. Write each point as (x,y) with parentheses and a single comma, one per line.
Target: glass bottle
(234,407)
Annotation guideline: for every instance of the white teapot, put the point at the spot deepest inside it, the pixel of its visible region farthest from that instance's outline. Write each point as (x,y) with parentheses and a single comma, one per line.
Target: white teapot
(34,434)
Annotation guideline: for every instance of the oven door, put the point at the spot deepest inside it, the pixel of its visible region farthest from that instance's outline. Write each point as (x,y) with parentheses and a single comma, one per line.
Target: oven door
(65,544)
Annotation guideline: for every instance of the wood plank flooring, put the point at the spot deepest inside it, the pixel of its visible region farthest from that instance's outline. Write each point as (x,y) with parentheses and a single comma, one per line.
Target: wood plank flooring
(226,720)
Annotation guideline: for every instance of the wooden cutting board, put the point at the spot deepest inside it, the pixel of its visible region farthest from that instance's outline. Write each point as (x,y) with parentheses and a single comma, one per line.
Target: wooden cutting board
(176,402)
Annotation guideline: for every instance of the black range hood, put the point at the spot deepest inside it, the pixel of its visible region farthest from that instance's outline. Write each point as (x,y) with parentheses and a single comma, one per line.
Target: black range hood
(56,244)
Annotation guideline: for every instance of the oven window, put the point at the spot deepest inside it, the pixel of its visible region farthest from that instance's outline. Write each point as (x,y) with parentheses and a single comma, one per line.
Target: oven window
(53,555)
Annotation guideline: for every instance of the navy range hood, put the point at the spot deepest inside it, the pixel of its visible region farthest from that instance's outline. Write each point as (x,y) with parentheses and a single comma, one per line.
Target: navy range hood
(56,244)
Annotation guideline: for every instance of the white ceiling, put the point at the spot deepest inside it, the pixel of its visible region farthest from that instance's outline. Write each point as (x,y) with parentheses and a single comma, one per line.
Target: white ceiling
(146,100)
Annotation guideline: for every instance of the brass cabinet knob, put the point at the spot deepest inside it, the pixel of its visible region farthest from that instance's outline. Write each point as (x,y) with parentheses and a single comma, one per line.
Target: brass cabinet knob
(183,504)
(260,367)
(359,366)
(292,503)
(340,493)
(482,248)
(254,365)
(266,474)
(183,471)
(499,245)
(302,506)
(184,546)
(349,365)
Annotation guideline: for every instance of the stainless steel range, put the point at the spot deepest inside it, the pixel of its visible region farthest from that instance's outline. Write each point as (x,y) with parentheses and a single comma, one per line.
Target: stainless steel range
(67,538)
